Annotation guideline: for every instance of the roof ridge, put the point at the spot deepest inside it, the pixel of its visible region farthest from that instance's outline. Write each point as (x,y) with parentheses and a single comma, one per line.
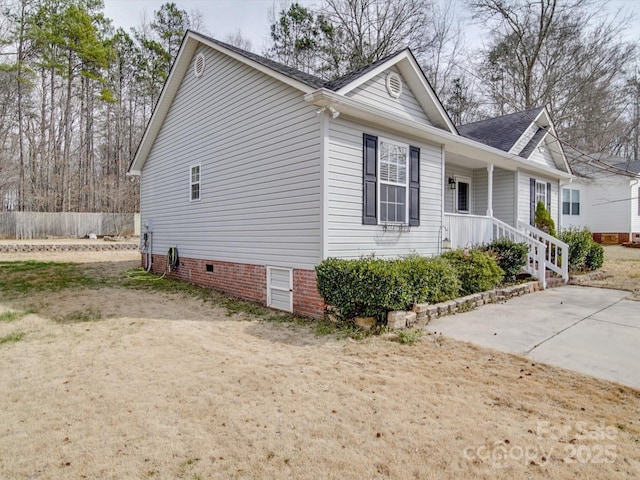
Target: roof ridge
(521,112)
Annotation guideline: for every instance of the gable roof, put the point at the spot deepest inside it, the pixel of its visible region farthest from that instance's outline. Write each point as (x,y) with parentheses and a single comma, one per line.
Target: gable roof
(500,132)
(306,83)
(307,78)
(601,165)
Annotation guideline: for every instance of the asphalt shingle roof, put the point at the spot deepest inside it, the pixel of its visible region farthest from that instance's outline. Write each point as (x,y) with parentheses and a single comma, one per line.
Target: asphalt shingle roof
(533,143)
(306,78)
(500,132)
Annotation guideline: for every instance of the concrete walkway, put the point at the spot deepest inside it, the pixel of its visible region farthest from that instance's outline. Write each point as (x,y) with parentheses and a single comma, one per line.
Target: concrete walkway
(589,330)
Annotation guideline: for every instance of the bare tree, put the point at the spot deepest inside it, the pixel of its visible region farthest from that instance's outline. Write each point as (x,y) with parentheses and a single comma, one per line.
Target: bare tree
(373,29)
(565,54)
(238,40)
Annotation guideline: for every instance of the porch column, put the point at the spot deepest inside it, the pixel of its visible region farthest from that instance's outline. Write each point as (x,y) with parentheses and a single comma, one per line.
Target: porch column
(490,190)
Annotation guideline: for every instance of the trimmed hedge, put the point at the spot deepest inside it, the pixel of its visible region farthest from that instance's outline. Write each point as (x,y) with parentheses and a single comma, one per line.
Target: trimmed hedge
(366,287)
(584,253)
(369,287)
(511,256)
(431,280)
(478,271)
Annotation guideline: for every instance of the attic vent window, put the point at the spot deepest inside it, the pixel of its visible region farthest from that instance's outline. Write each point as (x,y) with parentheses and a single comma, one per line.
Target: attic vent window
(394,84)
(198,65)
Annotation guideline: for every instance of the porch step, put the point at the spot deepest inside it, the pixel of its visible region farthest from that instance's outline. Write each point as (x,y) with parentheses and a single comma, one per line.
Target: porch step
(554,282)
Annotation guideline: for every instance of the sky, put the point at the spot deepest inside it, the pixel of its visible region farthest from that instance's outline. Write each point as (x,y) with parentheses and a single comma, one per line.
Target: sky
(221,17)
(251,17)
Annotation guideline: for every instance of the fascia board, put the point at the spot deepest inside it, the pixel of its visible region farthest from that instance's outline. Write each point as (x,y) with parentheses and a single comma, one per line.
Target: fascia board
(452,142)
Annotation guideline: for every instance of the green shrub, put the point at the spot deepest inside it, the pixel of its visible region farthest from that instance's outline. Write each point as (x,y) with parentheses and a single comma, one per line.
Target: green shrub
(595,256)
(429,280)
(543,220)
(582,247)
(478,271)
(370,287)
(365,287)
(511,256)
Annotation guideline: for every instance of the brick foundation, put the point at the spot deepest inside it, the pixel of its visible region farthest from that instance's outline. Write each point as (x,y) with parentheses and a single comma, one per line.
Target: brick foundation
(306,299)
(611,238)
(245,281)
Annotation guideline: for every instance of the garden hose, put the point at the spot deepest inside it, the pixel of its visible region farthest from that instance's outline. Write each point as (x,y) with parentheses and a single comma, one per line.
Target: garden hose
(172,258)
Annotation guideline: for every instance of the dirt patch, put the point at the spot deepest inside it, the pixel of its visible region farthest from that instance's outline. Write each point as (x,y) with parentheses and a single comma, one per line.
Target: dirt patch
(167,386)
(621,271)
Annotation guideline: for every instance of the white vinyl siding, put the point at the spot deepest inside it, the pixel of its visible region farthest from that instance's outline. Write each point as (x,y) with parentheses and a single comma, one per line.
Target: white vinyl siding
(524,196)
(374,92)
(606,205)
(542,155)
(504,205)
(347,237)
(258,142)
(480,189)
(635,209)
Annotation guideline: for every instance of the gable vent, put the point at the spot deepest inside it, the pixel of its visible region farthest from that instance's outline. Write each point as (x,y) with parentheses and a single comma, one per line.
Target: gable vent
(198,65)
(394,84)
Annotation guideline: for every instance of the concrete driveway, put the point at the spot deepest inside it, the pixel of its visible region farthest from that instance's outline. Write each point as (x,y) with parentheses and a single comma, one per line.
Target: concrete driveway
(589,330)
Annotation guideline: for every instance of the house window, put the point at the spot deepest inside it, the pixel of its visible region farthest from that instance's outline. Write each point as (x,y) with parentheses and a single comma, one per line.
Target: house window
(463,192)
(391,182)
(541,193)
(392,165)
(195,182)
(570,202)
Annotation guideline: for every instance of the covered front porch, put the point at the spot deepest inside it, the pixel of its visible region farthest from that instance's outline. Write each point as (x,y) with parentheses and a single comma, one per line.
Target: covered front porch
(545,253)
(481,203)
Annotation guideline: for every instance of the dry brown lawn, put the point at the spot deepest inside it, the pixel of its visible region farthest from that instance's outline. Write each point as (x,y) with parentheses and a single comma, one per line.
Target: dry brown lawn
(167,386)
(622,267)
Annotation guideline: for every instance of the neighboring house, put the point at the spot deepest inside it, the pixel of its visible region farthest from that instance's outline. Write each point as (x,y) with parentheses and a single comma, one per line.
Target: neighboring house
(604,199)
(256,172)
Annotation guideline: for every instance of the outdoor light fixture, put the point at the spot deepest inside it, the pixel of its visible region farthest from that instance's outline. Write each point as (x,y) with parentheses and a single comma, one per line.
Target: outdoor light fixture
(452,183)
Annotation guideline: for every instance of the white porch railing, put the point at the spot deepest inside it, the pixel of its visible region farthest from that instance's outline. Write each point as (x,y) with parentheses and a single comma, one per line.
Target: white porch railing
(556,251)
(544,251)
(467,230)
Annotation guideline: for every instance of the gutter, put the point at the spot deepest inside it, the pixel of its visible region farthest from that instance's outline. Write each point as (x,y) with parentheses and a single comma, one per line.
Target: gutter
(324,98)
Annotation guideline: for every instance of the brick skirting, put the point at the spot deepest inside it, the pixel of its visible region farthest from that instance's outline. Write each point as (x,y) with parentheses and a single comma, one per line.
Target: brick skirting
(245,281)
(611,238)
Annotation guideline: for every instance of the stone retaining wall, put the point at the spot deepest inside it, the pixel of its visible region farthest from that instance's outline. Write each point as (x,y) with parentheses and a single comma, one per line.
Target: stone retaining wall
(422,314)
(72,247)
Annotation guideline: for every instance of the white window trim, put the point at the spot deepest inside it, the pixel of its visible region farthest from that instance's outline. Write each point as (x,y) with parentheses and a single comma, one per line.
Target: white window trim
(192,183)
(380,181)
(546,200)
(571,202)
(467,180)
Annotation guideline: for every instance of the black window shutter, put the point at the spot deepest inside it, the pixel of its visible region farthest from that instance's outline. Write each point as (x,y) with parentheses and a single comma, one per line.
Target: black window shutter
(549,197)
(414,186)
(369,178)
(532,200)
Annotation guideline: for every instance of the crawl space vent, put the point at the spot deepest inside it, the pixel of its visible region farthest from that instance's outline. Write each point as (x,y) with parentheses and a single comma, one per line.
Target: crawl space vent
(198,65)
(394,84)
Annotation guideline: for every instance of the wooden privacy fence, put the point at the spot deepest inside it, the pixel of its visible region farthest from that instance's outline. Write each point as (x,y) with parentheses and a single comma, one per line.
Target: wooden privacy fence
(30,225)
